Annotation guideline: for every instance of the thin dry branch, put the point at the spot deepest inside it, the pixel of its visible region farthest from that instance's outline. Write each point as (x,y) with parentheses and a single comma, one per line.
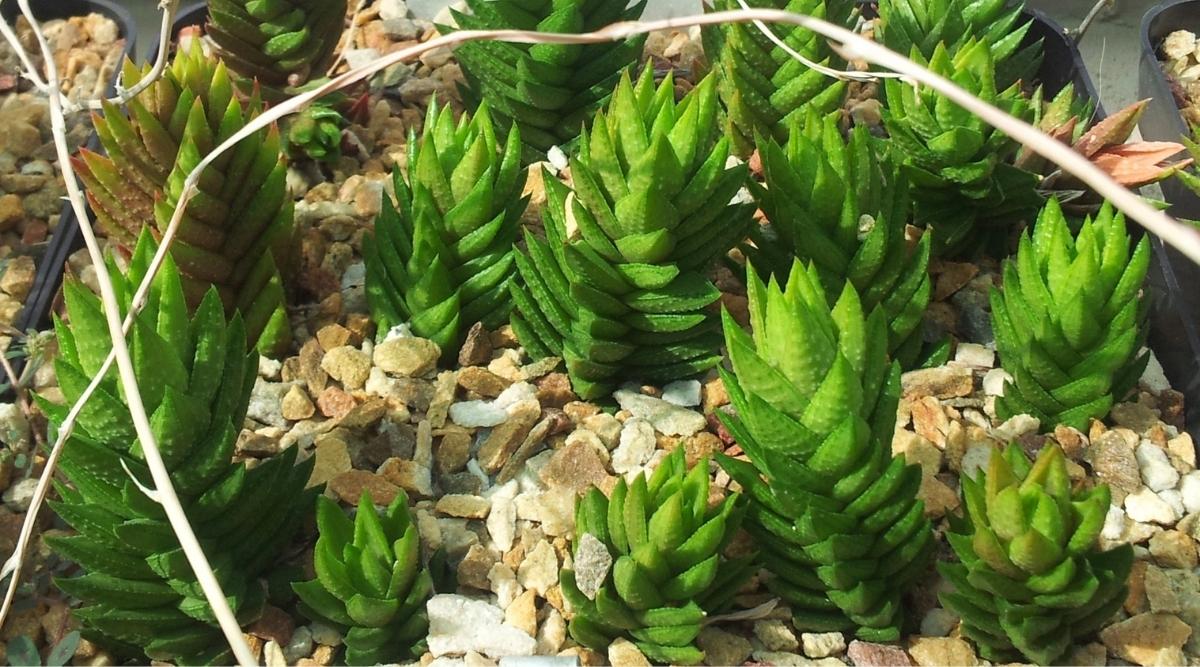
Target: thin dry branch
(1173,232)
(169,9)
(164,491)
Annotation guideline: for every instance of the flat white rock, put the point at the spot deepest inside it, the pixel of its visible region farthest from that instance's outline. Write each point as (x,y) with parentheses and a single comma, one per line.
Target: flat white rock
(667,418)
(684,393)
(1190,490)
(477,414)
(636,447)
(459,624)
(1146,507)
(1157,471)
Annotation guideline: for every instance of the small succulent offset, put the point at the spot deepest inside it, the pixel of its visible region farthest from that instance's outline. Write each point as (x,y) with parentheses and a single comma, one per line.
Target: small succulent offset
(668,573)
(443,258)
(238,228)
(1069,321)
(908,25)
(763,87)
(140,595)
(835,516)
(316,133)
(548,90)
(618,287)
(841,205)
(278,43)
(370,583)
(962,183)
(1030,581)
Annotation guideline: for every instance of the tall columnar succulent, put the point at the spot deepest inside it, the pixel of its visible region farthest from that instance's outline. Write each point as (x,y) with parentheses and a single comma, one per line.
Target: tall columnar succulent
(140,595)
(1069,321)
(667,573)
(1030,581)
(844,207)
(618,287)
(762,86)
(240,222)
(835,515)
(963,184)
(548,90)
(279,43)
(920,25)
(370,582)
(443,258)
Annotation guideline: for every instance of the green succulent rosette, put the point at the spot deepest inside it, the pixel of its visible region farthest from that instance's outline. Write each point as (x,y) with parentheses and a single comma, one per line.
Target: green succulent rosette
(843,206)
(370,582)
(549,91)
(618,287)
(835,515)
(139,594)
(443,257)
(1030,581)
(765,90)
(237,230)
(1070,320)
(668,571)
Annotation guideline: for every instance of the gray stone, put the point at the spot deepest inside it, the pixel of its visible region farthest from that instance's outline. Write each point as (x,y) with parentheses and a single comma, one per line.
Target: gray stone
(592,564)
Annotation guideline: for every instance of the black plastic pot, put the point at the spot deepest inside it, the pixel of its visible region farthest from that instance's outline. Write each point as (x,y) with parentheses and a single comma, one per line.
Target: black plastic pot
(1173,280)
(66,236)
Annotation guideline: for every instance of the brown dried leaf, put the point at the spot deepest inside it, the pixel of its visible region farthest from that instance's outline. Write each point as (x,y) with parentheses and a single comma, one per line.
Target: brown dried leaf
(1137,164)
(1112,130)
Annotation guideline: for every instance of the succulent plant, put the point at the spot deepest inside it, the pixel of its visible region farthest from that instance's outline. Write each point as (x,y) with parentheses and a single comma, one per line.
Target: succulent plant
(443,258)
(1068,117)
(140,595)
(920,25)
(841,205)
(316,133)
(237,227)
(835,516)
(548,90)
(962,182)
(1030,580)
(370,583)
(763,87)
(1069,321)
(668,570)
(278,43)
(617,288)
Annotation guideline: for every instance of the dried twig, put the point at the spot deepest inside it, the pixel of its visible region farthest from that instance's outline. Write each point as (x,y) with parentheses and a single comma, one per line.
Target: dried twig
(124,95)
(1166,227)
(164,491)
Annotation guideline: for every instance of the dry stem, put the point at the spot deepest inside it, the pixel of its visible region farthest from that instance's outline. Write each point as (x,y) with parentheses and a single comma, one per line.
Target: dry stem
(1174,233)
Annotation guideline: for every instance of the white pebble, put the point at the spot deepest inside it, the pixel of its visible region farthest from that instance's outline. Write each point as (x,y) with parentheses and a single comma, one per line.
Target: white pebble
(1174,499)
(1146,507)
(684,393)
(1157,472)
(515,393)
(637,444)
(823,644)
(557,158)
(994,380)
(1114,523)
(459,624)
(974,354)
(477,414)
(1153,378)
(1190,490)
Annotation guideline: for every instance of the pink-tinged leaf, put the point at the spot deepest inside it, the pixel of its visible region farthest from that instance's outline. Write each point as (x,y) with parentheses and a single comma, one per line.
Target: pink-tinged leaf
(1138,164)
(1112,130)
